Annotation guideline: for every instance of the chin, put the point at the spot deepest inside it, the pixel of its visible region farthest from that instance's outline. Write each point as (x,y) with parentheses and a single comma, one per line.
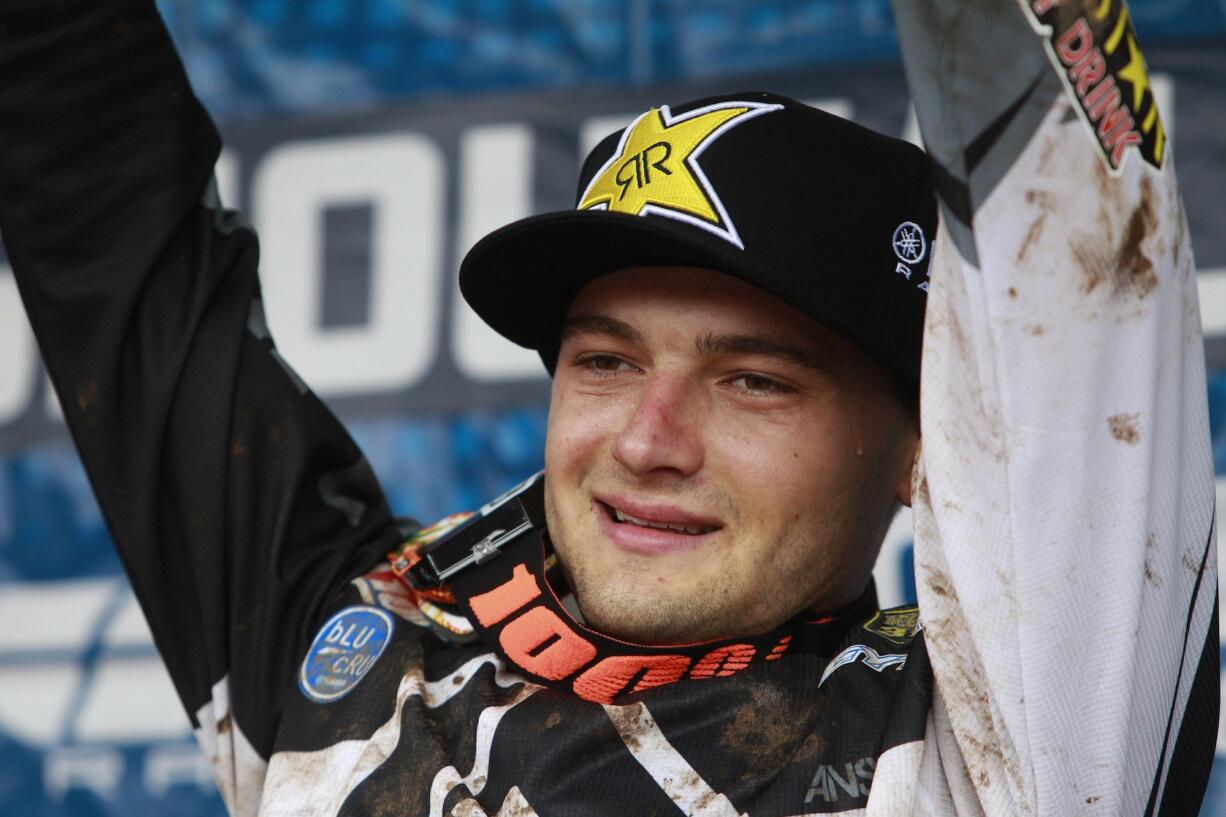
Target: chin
(633,610)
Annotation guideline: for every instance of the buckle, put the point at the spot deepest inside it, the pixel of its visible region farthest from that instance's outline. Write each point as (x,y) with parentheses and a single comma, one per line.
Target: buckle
(501,521)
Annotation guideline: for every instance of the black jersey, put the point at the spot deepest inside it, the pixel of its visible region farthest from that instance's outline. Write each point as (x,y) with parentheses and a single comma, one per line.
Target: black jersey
(1053,674)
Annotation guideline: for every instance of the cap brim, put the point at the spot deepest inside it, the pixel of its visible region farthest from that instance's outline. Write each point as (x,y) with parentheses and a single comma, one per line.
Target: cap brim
(521,279)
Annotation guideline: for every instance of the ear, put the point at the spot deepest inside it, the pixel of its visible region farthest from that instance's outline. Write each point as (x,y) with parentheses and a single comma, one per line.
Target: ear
(911,455)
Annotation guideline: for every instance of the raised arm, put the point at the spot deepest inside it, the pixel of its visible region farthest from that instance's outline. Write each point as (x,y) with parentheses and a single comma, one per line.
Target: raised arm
(236,499)
(1065,555)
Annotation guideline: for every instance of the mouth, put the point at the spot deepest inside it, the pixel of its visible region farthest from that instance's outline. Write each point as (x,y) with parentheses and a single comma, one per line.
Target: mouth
(623,518)
(653,529)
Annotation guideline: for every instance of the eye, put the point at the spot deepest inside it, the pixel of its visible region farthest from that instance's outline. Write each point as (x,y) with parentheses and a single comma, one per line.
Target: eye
(760,385)
(603,365)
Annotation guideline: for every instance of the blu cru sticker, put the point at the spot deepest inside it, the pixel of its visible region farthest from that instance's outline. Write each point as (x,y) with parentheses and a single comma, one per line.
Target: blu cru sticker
(344,650)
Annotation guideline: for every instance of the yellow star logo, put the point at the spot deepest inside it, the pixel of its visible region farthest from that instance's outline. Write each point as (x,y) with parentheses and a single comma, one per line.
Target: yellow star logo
(654,170)
(1134,73)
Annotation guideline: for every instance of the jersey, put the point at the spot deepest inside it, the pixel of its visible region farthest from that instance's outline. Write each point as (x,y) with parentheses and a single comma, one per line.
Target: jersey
(1065,556)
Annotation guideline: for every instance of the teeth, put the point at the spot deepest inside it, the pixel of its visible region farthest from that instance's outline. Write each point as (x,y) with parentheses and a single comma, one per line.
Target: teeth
(622,516)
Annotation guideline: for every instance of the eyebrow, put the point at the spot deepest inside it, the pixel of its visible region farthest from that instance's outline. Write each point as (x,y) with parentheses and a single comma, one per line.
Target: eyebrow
(597,324)
(757,345)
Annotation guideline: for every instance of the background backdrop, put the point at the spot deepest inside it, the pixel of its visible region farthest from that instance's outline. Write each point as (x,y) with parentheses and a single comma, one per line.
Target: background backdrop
(371,142)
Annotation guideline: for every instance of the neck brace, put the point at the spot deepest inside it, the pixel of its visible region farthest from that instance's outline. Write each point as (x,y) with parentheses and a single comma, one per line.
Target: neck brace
(487,579)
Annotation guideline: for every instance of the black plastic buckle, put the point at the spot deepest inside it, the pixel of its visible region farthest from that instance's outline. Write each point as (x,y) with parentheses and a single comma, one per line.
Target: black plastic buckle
(519,511)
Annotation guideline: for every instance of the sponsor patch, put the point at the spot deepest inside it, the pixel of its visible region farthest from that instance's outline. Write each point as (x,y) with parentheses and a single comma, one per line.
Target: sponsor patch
(898,625)
(655,170)
(1093,45)
(868,656)
(344,650)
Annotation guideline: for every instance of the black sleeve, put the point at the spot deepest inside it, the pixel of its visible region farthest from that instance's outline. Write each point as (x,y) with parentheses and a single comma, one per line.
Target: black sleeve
(237,500)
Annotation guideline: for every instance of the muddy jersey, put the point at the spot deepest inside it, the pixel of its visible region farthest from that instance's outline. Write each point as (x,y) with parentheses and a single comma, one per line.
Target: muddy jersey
(1065,559)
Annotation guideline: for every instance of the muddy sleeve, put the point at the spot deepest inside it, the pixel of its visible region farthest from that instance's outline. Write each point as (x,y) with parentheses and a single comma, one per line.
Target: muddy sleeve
(1065,555)
(236,499)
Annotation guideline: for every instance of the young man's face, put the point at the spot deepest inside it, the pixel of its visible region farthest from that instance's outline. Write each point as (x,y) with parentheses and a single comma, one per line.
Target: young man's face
(716,460)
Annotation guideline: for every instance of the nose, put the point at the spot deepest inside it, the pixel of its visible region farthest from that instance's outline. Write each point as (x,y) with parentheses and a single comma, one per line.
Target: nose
(663,436)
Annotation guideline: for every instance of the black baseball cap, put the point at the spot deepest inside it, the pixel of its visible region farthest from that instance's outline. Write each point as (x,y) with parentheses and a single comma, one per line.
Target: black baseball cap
(835,219)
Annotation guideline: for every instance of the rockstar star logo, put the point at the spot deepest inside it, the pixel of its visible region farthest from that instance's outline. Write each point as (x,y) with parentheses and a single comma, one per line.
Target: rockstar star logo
(1134,73)
(655,169)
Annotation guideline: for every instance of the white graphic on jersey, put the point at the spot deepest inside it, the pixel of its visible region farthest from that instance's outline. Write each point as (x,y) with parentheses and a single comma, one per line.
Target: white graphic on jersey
(868,655)
(319,782)
(237,766)
(448,777)
(513,805)
(664,763)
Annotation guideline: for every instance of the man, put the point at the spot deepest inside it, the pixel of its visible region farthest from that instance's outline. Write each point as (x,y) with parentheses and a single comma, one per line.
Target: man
(732,318)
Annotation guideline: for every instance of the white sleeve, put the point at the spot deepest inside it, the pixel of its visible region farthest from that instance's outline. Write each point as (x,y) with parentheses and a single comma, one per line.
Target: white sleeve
(1065,556)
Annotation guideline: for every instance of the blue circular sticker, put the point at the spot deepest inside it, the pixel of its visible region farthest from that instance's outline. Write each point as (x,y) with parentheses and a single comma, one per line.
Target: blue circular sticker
(343,651)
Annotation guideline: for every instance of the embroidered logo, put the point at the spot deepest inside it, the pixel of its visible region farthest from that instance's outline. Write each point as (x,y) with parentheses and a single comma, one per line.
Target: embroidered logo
(344,650)
(655,169)
(1093,47)
(870,657)
(909,242)
(898,625)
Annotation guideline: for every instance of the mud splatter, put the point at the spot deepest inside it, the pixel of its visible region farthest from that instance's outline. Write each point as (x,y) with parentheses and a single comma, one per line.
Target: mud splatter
(764,732)
(1092,800)
(1136,270)
(1035,329)
(1032,238)
(87,395)
(989,760)
(626,719)
(553,720)
(1012,292)
(1042,198)
(939,583)
(1151,574)
(1051,149)
(1124,428)
(1127,270)
(704,800)
(1092,269)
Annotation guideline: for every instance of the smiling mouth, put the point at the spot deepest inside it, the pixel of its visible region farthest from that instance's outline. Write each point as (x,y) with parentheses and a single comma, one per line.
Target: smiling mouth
(622,518)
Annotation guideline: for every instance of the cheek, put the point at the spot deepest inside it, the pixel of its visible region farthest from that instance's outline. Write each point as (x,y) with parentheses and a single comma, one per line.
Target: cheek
(581,428)
(779,470)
